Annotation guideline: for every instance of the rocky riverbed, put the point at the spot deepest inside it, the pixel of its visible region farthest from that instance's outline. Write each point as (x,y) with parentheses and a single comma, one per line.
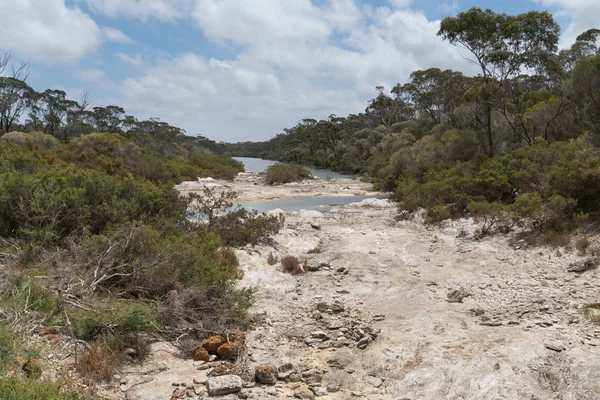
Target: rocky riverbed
(393,309)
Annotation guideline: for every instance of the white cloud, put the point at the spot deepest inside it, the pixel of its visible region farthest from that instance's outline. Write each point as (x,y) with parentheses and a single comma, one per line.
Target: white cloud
(47,31)
(582,15)
(449,6)
(134,61)
(297,60)
(165,10)
(92,75)
(115,35)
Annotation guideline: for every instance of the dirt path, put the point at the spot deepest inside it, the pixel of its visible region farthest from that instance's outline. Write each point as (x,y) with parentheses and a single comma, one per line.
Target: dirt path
(451,317)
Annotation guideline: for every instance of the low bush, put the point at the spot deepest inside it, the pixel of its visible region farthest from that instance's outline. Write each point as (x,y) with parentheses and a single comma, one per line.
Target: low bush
(286,173)
(240,227)
(123,320)
(98,363)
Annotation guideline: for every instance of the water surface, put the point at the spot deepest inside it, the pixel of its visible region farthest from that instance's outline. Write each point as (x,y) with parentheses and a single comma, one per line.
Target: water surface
(260,165)
(289,204)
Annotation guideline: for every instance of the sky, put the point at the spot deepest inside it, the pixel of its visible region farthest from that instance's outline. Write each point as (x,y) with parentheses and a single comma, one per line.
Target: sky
(238,70)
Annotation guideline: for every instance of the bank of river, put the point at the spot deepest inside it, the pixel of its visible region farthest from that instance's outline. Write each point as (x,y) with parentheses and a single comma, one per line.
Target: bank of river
(259,165)
(311,194)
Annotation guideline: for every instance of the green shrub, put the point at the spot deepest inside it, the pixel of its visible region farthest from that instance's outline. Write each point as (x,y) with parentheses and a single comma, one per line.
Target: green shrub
(39,139)
(123,321)
(241,227)
(20,388)
(493,216)
(558,214)
(286,173)
(437,214)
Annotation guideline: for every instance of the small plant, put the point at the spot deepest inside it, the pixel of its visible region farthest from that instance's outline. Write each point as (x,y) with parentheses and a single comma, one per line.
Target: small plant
(291,265)
(98,363)
(211,202)
(272,259)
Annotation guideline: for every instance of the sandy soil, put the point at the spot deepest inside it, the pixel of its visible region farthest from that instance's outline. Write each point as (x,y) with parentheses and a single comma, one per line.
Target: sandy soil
(520,332)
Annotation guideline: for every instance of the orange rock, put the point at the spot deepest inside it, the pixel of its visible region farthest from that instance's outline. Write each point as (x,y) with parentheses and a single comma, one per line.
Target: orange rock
(201,354)
(213,343)
(266,374)
(47,331)
(178,394)
(226,351)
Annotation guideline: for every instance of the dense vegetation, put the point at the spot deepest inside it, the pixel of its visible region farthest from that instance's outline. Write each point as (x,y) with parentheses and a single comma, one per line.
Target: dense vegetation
(518,141)
(121,261)
(96,243)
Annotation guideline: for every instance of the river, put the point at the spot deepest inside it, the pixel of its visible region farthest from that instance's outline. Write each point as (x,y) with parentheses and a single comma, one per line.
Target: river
(260,165)
(320,201)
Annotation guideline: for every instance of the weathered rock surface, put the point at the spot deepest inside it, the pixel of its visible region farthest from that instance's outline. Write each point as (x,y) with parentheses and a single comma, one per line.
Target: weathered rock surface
(225,384)
(583,265)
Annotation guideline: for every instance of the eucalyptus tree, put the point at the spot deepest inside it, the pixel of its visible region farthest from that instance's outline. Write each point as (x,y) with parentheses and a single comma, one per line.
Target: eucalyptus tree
(502,46)
(434,93)
(14,91)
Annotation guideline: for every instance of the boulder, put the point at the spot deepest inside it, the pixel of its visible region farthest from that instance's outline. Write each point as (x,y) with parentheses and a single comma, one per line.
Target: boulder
(225,384)
(226,351)
(212,343)
(266,374)
(583,265)
(201,354)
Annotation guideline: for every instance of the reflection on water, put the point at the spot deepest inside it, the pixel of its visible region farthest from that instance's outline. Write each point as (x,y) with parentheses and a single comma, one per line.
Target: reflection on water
(290,204)
(260,165)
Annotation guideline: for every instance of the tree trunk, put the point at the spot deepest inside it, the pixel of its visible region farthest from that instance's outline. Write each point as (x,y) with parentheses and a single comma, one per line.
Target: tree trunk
(489,129)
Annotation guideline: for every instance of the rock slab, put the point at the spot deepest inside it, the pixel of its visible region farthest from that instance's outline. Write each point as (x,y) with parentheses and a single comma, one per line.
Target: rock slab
(225,384)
